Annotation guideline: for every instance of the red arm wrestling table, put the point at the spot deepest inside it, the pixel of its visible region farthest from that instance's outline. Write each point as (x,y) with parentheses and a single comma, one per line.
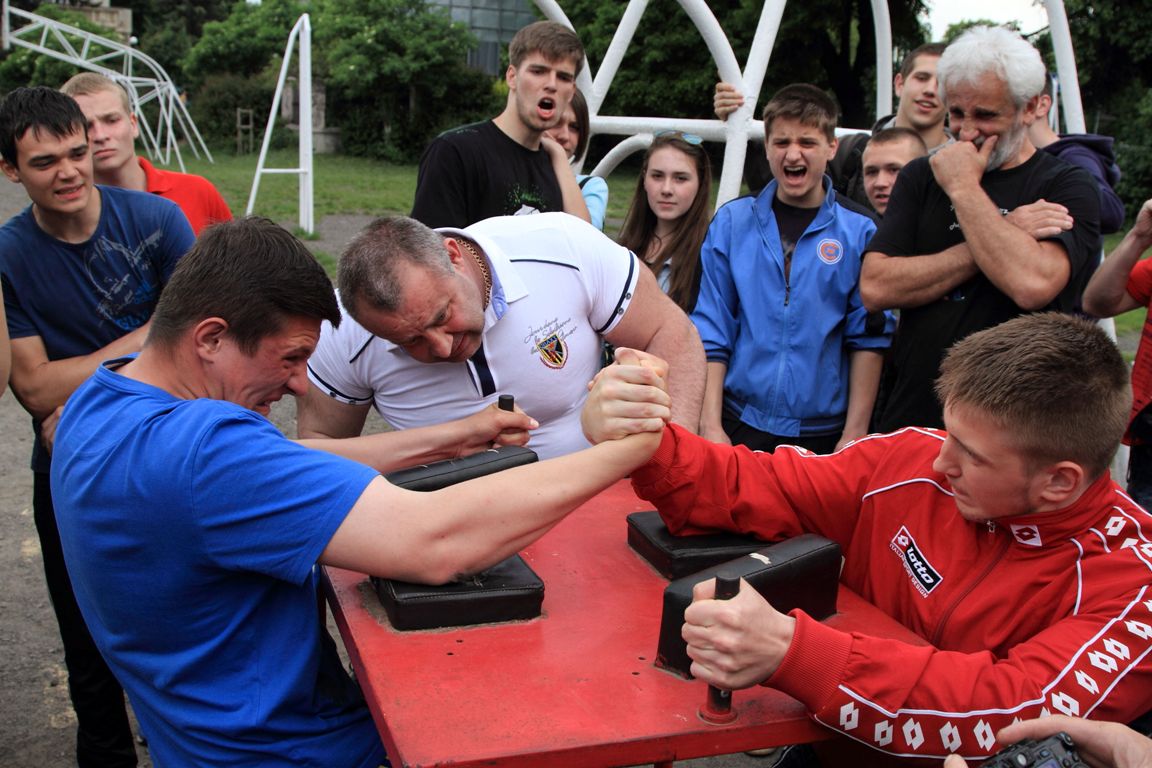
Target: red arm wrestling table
(576,686)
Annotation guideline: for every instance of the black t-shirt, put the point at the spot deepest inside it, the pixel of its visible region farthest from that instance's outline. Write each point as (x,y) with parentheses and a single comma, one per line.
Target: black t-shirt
(920,220)
(791,222)
(477,171)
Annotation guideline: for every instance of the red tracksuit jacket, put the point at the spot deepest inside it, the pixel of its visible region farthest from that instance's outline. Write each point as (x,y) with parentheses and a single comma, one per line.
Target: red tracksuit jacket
(1027,616)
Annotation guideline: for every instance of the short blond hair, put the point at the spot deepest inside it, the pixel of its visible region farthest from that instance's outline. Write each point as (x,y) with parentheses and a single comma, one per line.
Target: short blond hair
(88,83)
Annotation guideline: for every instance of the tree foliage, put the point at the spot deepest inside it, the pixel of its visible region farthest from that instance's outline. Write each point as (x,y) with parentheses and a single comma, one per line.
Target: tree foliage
(372,45)
(243,44)
(167,29)
(396,73)
(394,69)
(191,15)
(1113,67)
(1111,40)
(955,30)
(234,63)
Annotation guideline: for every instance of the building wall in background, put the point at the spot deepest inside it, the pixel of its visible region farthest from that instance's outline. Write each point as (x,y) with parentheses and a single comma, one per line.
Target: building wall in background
(494,22)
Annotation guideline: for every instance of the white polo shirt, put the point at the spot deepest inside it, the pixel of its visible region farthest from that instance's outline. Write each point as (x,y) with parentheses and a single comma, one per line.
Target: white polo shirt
(558,285)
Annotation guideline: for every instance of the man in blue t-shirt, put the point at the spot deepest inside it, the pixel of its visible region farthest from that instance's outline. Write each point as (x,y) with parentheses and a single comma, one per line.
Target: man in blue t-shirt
(191,525)
(83,267)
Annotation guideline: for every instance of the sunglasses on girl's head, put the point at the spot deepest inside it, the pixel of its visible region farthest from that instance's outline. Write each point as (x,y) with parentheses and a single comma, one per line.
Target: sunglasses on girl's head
(689,138)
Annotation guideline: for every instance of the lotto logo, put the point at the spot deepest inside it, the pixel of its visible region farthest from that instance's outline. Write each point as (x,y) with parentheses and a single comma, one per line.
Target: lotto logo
(924,577)
(1027,534)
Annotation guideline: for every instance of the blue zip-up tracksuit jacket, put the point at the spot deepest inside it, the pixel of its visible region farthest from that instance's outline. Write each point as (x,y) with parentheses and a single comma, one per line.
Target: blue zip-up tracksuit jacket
(787,343)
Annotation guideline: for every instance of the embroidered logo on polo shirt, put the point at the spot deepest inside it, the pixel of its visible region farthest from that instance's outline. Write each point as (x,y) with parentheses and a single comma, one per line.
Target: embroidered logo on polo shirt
(830,251)
(549,342)
(924,577)
(553,351)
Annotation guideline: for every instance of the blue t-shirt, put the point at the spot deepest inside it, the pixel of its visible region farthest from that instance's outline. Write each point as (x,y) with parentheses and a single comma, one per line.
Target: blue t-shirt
(191,529)
(79,297)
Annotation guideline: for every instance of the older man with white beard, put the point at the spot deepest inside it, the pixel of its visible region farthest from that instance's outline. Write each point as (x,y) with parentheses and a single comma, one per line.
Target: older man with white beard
(985,229)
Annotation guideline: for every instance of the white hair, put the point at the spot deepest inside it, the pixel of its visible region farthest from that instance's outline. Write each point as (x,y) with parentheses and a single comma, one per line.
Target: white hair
(996,50)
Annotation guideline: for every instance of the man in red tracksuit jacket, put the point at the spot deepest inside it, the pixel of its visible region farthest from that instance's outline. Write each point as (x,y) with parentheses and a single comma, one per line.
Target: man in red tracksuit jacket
(1002,542)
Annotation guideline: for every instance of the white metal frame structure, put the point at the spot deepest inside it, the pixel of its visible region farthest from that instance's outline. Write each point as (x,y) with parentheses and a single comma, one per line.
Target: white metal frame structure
(733,132)
(742,125)
(141,75)
(302,30)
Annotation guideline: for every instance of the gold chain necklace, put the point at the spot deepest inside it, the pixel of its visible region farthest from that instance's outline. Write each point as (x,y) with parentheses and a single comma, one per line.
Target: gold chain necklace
(480,262)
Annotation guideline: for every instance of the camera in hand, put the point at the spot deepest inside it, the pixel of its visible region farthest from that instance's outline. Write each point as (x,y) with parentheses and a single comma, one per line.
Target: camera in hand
(1056,751)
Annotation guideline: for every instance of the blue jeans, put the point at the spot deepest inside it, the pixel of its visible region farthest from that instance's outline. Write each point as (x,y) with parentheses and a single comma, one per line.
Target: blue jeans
(103,735)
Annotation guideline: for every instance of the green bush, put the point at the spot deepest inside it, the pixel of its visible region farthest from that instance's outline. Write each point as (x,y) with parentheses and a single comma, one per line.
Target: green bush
(379,130)
(396,75)
(214,106)
(1133,154)
(394,71)
(244,43)
(1135,161)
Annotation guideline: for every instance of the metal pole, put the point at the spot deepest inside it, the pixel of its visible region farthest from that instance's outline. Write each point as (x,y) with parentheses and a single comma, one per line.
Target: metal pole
(305,147)
(1065,65)
(272,117)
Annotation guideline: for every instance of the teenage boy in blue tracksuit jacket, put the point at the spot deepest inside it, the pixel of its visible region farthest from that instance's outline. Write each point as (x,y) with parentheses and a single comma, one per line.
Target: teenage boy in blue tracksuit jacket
(793,356)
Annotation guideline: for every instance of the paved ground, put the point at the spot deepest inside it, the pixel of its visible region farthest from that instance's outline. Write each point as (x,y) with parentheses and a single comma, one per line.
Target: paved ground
(37,725)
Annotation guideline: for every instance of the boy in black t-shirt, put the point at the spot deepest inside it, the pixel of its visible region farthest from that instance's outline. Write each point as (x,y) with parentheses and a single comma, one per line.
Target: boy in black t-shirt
(508,165)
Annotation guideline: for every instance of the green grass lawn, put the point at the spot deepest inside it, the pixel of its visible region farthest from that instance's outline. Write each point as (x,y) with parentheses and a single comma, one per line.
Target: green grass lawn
(340,185)
(1130,322)
(345,185)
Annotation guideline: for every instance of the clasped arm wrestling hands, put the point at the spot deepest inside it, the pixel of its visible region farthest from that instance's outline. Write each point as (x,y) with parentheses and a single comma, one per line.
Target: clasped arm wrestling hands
(733,643)
(628,397)
(625,398)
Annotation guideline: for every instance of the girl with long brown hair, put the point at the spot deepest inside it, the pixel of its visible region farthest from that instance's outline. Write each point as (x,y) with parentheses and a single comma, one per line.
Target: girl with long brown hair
(670,212)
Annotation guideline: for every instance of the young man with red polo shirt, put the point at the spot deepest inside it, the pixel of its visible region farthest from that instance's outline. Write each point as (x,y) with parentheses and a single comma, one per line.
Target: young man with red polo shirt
(112,131)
